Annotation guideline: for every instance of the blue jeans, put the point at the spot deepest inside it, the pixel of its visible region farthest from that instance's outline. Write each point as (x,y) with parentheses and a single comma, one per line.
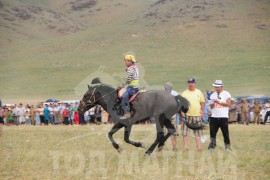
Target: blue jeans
(125,97)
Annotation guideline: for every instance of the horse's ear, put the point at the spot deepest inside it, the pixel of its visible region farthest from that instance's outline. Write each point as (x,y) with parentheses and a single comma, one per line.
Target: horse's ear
(88,86)
(96,81)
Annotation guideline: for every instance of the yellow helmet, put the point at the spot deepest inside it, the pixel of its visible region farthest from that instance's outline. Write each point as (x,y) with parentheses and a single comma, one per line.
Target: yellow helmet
(130,58)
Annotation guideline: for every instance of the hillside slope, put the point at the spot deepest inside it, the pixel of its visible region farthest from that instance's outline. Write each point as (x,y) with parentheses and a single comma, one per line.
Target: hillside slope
(48,47)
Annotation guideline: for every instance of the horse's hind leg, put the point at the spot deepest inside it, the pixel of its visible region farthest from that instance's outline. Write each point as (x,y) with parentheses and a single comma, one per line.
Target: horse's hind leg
(127,140)
(160,134)
(114,129)
(171,131)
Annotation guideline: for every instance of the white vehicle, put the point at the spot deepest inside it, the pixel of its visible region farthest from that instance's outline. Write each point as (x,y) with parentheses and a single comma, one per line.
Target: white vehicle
(8,105)
(262,115)
(68,102)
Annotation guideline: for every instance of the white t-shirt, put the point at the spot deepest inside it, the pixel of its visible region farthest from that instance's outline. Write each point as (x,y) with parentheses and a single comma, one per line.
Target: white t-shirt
(174,93)
(61,109)
(92,111)
(21,111)
(56,110)
(86,113)
(267,105)
(51,109)
(220,111)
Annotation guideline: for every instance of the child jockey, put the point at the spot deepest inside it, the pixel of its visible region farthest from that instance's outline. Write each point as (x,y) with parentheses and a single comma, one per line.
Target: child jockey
(132,83)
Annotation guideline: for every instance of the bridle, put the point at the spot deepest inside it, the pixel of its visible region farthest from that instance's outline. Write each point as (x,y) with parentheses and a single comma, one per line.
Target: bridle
(90,102)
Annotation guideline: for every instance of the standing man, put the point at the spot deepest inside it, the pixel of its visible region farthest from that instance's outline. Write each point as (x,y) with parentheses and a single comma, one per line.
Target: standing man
(245,112)
(168,88)
(233,113)
(61,110)
(56,114)
(195,113)
(267,106)
(257,109)
(21,113)
(15,114)
(220,102)
(32,115)
(51,110)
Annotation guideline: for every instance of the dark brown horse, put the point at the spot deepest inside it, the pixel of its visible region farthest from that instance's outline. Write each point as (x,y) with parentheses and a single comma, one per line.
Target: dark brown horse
(156,103)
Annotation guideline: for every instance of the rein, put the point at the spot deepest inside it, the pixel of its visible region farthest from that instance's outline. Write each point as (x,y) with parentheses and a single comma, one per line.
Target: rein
(90,102)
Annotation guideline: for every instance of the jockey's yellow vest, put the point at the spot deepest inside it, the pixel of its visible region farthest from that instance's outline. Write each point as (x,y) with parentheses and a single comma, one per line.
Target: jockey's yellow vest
(135,79)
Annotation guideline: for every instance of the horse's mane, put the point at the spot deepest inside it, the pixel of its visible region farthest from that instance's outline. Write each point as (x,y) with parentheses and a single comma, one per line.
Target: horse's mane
(96,83)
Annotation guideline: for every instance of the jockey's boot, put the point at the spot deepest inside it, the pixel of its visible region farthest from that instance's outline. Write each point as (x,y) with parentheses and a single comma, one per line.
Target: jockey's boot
(127,115)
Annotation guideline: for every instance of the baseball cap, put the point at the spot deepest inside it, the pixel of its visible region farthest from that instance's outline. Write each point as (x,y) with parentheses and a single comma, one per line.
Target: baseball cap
(191,80)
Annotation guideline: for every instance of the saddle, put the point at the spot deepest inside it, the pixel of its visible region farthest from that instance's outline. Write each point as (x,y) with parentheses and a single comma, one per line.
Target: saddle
(123,90)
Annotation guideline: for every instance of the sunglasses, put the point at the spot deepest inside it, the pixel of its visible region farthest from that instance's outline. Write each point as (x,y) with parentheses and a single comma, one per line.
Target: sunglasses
(218,95)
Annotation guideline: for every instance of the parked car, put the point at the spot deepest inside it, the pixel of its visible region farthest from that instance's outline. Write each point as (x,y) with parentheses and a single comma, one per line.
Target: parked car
(52,100)
(262,101)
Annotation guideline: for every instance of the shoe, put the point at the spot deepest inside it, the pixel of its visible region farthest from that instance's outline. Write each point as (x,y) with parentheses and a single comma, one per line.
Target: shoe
(211,147)
(126,115)
(228,147)
(203,139)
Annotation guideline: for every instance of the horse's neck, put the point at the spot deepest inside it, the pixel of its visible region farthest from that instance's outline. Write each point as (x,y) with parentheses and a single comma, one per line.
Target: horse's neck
(108,100)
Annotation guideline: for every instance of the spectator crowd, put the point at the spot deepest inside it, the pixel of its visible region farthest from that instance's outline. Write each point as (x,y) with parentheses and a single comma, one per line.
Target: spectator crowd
(51,113)
(241,112)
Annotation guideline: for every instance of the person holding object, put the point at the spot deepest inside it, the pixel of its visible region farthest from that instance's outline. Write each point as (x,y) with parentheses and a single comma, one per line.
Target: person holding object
(195,113)
(220,101)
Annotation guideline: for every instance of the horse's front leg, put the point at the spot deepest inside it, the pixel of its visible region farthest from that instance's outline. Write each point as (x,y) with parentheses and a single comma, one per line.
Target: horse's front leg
(114,129)
(127,140)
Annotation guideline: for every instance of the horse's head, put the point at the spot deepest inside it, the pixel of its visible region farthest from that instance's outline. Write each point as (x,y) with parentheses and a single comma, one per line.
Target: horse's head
(89,99)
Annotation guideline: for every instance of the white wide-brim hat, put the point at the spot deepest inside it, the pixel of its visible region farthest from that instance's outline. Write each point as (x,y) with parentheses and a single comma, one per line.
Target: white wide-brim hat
(218,83)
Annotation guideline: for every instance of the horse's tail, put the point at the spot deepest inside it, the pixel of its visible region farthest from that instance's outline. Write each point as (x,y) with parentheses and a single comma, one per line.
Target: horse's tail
(195,126)
(183,102)
(184,106)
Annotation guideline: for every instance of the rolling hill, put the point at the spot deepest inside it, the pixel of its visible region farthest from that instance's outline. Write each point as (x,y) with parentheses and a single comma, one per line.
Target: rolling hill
(53,48)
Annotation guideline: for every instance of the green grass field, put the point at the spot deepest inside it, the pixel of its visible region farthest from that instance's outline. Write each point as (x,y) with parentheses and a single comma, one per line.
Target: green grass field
(85,152)
(47,48)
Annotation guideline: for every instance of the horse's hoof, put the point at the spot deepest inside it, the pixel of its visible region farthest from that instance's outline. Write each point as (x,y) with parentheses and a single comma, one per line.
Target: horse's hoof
(120,150)
(160,148)
(147,154)
(143,145)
